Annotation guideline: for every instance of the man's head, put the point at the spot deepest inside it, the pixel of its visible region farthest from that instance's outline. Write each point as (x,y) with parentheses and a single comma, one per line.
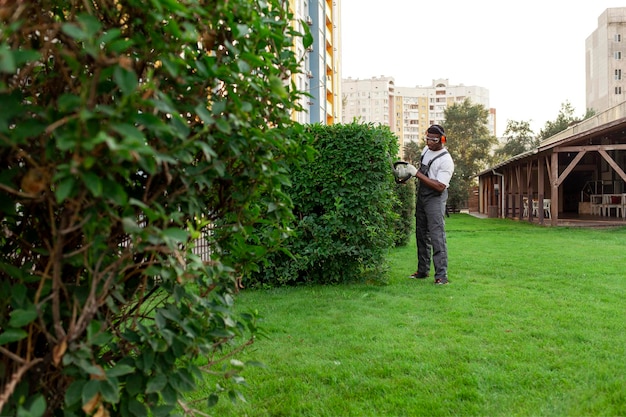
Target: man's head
(435,137)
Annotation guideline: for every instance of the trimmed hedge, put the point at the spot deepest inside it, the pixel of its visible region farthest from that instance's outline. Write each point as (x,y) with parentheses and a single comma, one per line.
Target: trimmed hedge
(405,208)
(344,201)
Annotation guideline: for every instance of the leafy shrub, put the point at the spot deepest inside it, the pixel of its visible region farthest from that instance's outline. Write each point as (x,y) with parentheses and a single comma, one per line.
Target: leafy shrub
(130,131)
(343,204)
(405,208)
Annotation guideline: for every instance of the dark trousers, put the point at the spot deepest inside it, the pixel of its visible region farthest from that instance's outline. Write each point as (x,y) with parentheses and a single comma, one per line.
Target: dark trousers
(430,233)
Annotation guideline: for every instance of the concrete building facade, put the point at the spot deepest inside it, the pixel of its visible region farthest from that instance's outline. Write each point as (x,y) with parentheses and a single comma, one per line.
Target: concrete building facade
(321,64)
(605,61)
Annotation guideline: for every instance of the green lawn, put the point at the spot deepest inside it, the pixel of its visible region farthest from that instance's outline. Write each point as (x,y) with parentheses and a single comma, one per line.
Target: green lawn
(533,323)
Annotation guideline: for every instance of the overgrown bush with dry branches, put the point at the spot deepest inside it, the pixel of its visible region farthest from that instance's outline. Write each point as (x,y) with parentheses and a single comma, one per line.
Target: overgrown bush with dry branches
(130,130)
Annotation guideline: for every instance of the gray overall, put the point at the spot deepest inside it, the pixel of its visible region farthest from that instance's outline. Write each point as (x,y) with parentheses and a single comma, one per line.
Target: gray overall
(430,209)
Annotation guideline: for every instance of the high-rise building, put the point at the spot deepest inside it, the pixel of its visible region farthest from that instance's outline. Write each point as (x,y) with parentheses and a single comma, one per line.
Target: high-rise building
(408,111)
(369,101)
(321,69)
(605,61)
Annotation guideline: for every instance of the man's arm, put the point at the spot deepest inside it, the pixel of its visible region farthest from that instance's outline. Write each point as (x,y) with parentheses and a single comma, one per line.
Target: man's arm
(430,183)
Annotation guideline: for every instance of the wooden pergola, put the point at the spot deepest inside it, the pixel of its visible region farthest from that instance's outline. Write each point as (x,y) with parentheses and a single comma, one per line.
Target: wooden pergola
(566,172)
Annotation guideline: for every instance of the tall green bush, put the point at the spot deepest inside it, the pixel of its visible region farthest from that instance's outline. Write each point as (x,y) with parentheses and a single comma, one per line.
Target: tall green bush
(405,208)
(344,209)
(129,130)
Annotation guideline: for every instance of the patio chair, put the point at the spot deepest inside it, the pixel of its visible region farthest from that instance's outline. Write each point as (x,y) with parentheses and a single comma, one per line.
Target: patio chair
(612,201)
(596,204)
(546,207)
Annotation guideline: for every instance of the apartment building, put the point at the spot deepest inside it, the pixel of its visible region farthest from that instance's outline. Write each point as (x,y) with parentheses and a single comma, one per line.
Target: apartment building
(605,61)
(321,69)
(369,101)
(408,111)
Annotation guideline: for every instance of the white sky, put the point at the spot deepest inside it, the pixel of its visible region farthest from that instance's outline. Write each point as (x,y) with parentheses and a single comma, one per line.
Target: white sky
(530,54)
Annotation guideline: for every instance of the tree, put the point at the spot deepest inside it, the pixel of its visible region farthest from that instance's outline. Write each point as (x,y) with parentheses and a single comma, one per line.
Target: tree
(519,138)
(412,152)
(564,119)
(128,130)
(469,143)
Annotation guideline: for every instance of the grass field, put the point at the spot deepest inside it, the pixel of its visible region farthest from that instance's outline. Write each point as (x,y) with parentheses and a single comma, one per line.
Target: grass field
(533,323)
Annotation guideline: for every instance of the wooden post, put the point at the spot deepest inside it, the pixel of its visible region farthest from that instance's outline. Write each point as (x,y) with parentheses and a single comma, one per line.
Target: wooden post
(540,188)
(554,205)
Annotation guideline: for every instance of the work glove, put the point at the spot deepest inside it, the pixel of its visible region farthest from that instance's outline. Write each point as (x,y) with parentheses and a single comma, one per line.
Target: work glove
(403,171)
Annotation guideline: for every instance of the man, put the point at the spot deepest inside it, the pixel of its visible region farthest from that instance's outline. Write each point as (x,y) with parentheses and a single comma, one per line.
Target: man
(434,176)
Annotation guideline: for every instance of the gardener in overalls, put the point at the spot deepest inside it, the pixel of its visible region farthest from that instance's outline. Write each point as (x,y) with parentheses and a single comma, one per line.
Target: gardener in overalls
(436,169)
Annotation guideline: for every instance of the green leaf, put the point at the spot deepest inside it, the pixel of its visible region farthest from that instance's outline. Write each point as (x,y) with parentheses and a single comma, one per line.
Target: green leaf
(204,114)
(212,400)
(164,104)
(90,389)
(134,383)
(110,390)
(178,235)
(277,87)
(223,126)
(7,60)
(129,131)
(12,335)
(74,392)
(91,24)
(119,370)
(101,339)
(169,394)
(160,321)
(24,56)
(156,384)
(130,225)
(19,291)
(68,102)
(126,80)
(120,45)
(147,358)
(38,406)
(109,35)
(243,66)
(171,67)
(136,408)
(20,318)
(162,410)
(64,189)
(15,272)
(74,31)
(25,132)
(208,152)
(93,183)
(115,192)
(65,139)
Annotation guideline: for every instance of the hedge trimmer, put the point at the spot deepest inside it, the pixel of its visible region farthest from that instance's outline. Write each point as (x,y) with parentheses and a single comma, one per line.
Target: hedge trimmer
(403,171)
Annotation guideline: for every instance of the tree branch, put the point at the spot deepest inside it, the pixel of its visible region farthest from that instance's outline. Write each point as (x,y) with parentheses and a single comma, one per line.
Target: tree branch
(15,379)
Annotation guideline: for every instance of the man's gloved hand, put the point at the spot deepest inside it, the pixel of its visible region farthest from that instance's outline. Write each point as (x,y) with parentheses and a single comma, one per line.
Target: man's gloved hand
(403,171)
(410,168)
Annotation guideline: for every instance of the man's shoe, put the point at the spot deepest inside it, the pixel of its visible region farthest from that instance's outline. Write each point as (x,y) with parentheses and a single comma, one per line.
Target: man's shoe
(441,281)
(418,275)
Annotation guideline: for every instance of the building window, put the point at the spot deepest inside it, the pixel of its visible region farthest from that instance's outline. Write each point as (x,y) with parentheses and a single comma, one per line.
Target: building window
(618,74)
(618,55)
(617,37)
(618,90)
